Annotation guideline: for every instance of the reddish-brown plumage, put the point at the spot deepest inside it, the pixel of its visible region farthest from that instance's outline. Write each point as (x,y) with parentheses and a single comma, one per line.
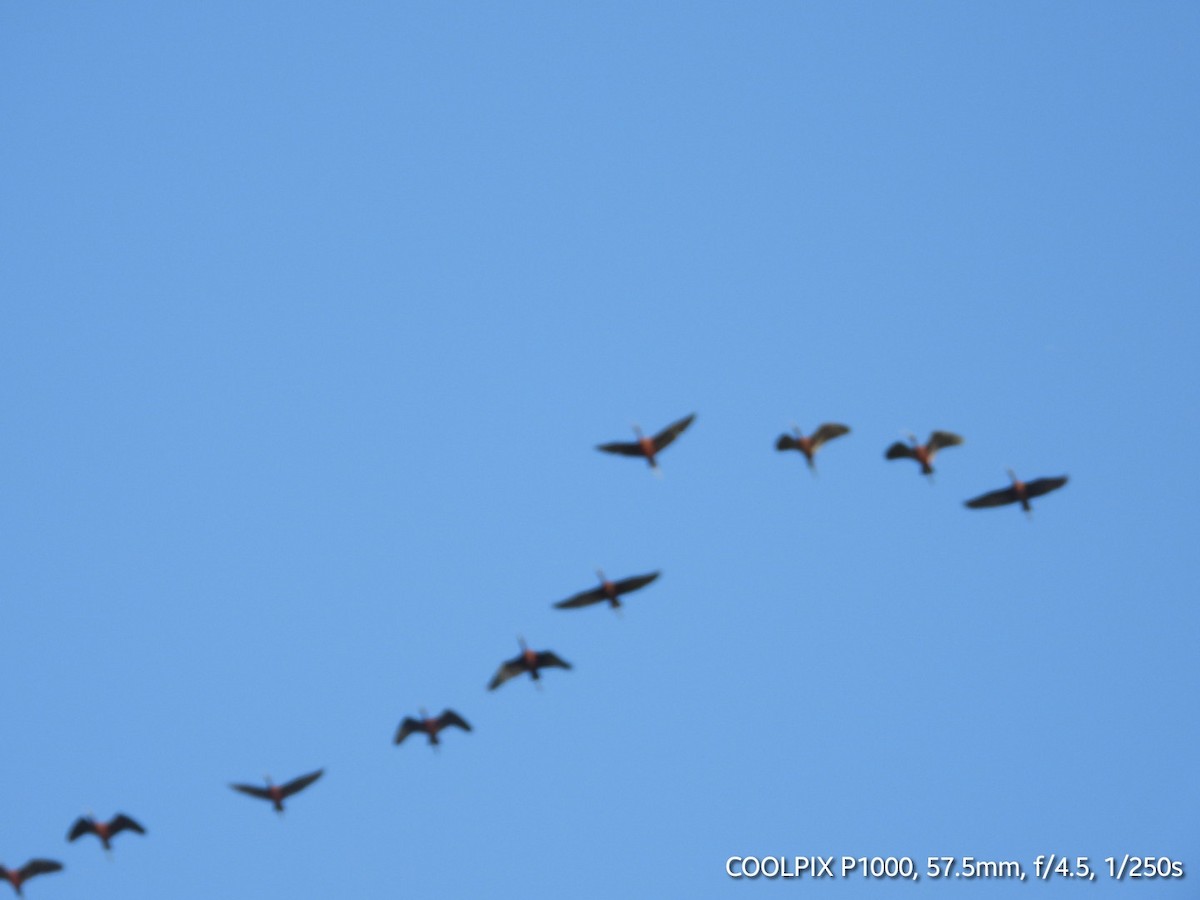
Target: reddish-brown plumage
(18,877)
(430,725)
(106,831)
(278,793)
(608,590)
(648,447)
(809,444)
(923,453)
(529,661)
(1019,492)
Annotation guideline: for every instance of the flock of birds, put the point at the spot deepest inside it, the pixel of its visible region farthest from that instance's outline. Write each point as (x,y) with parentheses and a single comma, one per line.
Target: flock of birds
(530,661)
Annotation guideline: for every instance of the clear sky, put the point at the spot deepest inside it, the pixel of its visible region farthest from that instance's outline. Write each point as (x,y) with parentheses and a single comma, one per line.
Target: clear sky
(313,315)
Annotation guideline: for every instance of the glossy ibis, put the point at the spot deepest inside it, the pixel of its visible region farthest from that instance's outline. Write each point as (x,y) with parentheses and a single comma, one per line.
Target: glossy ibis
(923,453)
(809,445)
(608,590)
(431,726)
(103,830)
(17,877)
(1019,492)
(646,447)
(277,793)
(528,661)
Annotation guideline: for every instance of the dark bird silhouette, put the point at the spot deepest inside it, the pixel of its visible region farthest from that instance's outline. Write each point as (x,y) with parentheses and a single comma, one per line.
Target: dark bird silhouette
(1019,492)
(923,453)
(431,726)
(17,877)
(647,447)
(809,445)
(277,793)
(529,661)
(103,830)
(608,590)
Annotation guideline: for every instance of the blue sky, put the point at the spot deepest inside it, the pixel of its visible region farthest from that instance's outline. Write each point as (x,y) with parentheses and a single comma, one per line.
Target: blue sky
(313,318)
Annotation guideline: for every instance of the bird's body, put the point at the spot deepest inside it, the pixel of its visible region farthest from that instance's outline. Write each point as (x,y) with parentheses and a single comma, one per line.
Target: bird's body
(808,445)
(923,453)
(277,793)
(608,590)
(648,447)
(530,661)
(103,830)
(431,725)
(17,877)
(1019,492)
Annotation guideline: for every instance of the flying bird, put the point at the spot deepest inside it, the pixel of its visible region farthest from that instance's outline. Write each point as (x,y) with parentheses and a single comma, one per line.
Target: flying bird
(529,661)
(608,590)
(103,830)
(431,726)
(277,793)
(809,445)
(647,447)
(923,453)
(1019,492)
(17,877)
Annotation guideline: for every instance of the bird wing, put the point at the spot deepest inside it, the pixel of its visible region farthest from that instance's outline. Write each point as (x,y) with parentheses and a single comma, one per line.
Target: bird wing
(450,717)
(39,867)
(546,659)
(898,450)
(1040,486)
(672,431)
(81,827)
(940,439)
(299,784)
(121,822)
(252,790)
(407,727)
(510,669)
(786,442)
(625,585)
(623,447)
(827,432)
(993,498)
(585,598)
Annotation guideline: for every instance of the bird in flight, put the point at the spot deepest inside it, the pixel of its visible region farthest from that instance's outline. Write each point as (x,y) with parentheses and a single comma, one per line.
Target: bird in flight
(277,793)
(528,661)
(17,877)
(923,453)
(648,447)
(431,726)
(608,590)
(809,445)
(1018,492)
(103,830)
